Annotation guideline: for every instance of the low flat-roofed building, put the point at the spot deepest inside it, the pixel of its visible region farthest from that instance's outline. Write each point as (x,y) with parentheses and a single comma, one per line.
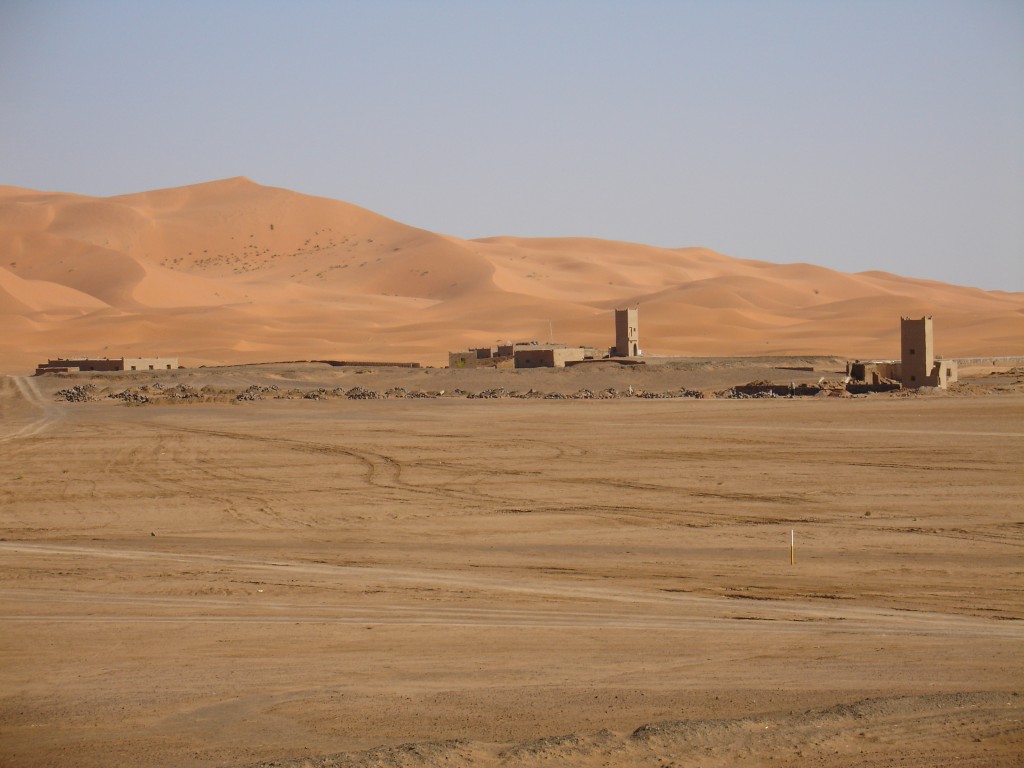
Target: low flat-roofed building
(918,365)
(874,371)
(75,364)
(523,354)
(548,356)
(482,357)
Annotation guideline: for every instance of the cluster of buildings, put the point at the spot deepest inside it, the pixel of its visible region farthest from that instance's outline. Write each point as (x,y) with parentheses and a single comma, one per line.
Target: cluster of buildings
(917,366)
(76,364)
(534,354)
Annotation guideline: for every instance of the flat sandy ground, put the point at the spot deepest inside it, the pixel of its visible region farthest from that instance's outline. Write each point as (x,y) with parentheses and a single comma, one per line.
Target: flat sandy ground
(510,582)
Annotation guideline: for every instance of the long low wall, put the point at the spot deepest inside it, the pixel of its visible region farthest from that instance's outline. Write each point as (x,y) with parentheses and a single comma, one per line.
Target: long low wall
(779,390)
(366,364)
(987,360)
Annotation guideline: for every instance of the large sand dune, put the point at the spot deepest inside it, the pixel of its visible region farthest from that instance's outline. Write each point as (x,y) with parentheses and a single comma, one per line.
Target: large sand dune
(232,271)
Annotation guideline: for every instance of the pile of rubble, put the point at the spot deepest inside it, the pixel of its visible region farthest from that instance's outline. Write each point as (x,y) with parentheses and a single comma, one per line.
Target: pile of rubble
(183,392)
(530,394)
(256,392)
(160,391)
(735,394)
(358,393)
(80,393)
(130,397)
(489,394)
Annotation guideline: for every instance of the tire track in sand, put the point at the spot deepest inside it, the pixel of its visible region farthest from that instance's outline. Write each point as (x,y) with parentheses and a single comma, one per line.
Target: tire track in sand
(51,413)
(637,609)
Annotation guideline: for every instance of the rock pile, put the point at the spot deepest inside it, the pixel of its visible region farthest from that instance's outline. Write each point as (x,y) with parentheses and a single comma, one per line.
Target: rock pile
(80,393)
(130,397)
(182,392)
(489,394)
(359,393)
(256,392)
(735,394)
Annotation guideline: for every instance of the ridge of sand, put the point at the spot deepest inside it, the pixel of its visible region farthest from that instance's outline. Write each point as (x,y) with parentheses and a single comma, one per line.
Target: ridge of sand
(823,735)
(231,271)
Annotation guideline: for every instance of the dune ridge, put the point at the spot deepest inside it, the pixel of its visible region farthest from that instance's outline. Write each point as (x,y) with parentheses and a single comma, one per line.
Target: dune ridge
(233,271)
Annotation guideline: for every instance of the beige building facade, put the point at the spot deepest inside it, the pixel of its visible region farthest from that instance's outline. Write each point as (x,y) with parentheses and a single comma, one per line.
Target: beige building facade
(627,332)
(918,365)
(76,364)
(548,356)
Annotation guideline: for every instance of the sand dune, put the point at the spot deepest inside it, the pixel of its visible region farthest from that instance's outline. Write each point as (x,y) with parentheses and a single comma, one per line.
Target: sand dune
(232,271)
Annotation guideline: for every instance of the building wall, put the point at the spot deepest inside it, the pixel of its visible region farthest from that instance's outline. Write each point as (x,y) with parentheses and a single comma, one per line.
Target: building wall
(87,364)
(918,366)
(61,365)
(548,357)
(473,359)
(917,351)
(627,332)
(149,363)
(462,359)
(873,371)
(944,373)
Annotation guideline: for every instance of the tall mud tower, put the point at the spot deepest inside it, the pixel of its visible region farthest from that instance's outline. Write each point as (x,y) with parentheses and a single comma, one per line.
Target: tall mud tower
(627,332)
(918,353)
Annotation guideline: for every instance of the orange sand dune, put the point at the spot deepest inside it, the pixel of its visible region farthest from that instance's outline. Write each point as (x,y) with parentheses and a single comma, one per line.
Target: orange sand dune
(232,271)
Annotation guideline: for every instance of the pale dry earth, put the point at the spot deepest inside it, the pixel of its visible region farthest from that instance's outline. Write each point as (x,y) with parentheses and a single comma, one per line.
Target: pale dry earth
(449,582)
(232,271)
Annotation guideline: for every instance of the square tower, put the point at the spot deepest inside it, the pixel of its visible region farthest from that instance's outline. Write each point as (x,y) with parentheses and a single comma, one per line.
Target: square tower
(627,332)
(917,353)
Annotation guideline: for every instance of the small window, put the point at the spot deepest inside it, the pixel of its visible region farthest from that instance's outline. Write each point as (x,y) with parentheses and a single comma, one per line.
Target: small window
(133,367)
(168,366)
(151,367)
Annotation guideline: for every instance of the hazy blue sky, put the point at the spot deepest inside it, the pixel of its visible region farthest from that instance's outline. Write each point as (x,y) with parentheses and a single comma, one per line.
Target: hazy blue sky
(855,135)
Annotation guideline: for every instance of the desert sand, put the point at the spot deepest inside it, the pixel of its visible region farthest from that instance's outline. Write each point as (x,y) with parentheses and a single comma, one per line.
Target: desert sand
(232,271)
(243,565)
(462,582)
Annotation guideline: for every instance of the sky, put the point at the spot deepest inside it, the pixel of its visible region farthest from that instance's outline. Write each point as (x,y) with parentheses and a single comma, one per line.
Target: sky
(856,135)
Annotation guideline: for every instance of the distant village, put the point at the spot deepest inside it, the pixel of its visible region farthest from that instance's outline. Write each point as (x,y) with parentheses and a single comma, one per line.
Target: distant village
(917,367)
(533,354)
